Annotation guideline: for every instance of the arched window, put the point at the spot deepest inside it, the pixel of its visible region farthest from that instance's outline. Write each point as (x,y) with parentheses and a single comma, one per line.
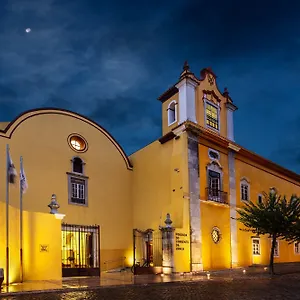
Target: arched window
(172,115)
(77,165)
(245,189)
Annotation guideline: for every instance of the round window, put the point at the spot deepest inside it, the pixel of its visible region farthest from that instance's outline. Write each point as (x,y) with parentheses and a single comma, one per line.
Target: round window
(77,143)
(216,235)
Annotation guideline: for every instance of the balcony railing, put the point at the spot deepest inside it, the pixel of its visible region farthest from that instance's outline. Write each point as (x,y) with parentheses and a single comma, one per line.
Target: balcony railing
(216,196)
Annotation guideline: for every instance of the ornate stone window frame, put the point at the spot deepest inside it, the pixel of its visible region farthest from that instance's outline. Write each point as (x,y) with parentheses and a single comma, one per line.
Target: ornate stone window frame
(215,166)
(259,246)
(245,182)
(217,106)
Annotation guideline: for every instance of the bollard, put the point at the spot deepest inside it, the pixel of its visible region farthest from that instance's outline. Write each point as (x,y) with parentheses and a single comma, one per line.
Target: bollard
(1,277)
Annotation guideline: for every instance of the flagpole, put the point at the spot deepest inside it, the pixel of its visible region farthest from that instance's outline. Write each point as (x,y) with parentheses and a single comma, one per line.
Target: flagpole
(7,218)
(21,222)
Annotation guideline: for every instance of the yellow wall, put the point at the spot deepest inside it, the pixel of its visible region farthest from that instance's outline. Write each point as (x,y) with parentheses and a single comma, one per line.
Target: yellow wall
(41,138)
(157,188)
(267,179)
(38,229)
(165,127)
(41,229)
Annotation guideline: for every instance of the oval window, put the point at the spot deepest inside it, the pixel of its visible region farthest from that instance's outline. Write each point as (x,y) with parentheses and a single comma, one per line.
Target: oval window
(77,143)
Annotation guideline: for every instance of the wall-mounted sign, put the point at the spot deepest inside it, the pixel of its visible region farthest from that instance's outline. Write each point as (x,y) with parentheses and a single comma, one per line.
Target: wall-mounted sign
(44,248)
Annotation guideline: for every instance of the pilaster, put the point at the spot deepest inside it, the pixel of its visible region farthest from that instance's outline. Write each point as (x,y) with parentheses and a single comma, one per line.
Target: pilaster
(195,214)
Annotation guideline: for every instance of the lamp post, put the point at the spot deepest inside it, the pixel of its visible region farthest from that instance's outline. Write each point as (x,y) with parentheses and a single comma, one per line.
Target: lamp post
(54,206)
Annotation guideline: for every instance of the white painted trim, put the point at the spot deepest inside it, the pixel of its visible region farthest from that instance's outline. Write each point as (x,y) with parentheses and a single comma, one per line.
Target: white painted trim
(296,253)
(278,252)
(187,100)
(206,101)
(245,182)
(257,239)
(175,111)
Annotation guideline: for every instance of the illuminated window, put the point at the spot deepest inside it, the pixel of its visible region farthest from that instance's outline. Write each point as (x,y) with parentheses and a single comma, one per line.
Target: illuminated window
(77,143)
(245,190)
(297,247)
(255,247)
(172,116)
(212,116)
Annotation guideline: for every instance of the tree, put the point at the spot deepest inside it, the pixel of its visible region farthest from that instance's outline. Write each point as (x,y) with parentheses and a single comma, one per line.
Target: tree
(274,216)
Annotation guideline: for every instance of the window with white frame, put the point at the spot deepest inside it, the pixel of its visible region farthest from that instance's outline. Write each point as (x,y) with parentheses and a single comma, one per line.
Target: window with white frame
(172,115)
(255,246)
(259,199)
(276,249)
(297,247)
(212,115)
(245,190)
(77,183)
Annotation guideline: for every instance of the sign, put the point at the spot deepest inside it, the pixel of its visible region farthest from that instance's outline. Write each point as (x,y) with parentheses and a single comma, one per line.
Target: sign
(44,248)
(181,250)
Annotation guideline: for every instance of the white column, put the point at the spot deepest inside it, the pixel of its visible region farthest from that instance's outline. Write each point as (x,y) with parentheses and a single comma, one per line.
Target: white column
(187,100)
(230,129)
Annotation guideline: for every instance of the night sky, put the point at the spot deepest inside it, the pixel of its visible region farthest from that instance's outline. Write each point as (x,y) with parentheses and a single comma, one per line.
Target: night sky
(110,60)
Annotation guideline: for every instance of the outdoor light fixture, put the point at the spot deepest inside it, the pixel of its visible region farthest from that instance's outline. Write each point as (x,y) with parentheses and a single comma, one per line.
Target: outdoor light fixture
(244,271)
(208,276)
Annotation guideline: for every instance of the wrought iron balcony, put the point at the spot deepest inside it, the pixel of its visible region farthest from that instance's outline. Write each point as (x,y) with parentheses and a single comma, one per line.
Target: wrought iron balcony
(216,196)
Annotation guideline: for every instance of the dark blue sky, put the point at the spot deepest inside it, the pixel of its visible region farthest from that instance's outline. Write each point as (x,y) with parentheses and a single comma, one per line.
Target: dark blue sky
(110,60)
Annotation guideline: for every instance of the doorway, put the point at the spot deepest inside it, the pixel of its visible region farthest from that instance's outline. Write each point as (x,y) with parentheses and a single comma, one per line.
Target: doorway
(80,250)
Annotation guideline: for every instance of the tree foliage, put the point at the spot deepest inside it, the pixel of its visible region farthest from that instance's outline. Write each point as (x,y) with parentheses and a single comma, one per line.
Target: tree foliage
(275,216)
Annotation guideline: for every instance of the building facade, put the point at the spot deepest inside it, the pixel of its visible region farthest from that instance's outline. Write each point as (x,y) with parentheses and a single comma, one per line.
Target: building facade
(170,205)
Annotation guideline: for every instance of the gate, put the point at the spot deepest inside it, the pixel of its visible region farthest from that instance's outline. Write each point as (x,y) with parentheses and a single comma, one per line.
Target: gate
(80,250)
(147,255)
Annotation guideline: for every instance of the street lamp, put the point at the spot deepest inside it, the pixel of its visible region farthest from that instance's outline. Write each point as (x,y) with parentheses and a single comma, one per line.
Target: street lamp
(54,206)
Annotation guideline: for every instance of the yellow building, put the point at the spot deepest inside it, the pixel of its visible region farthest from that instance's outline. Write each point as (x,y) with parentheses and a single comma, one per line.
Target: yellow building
(168,207)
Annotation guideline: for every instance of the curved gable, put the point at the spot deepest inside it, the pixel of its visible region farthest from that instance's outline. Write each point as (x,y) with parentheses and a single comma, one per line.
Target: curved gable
(13,125)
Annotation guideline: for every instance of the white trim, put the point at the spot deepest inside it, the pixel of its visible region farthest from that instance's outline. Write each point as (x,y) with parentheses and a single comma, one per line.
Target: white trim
(278,252)
(206,101)
(187,100)
(175,112)
(259,245)
(82,163)
(245,182)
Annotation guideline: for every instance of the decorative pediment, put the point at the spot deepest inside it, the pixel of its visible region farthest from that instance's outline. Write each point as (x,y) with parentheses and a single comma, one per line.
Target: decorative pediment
(214,165)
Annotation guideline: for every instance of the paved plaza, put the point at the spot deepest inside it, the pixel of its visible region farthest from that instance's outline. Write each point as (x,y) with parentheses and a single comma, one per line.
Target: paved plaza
(238,284)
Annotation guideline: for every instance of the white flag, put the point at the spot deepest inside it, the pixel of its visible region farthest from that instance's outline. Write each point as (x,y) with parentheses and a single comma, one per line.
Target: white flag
(12,173)
(23,180)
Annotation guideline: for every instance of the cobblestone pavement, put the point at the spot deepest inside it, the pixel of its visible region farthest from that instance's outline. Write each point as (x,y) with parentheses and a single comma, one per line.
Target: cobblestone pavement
(283,287)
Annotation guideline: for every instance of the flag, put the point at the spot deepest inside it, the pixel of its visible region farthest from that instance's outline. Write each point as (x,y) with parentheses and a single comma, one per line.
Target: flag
(23,180)
(12,173)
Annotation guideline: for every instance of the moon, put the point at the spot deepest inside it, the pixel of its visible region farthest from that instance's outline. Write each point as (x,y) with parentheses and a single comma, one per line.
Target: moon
(27,30)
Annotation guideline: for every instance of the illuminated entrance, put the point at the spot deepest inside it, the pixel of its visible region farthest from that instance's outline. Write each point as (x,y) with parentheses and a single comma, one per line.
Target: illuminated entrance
(80,250)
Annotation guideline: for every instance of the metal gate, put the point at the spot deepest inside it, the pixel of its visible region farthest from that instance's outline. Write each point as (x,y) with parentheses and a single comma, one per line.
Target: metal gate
(80,250)
(147,247)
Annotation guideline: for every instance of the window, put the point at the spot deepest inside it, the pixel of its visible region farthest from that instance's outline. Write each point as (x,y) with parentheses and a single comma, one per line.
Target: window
(77,143)
(214,182)
(259,199)
(276,250)
(77,165)
(172,115)
(212,116)
(297,247)
(78,190)
(245,193)
(77,183)
(255,246)
(213,154)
